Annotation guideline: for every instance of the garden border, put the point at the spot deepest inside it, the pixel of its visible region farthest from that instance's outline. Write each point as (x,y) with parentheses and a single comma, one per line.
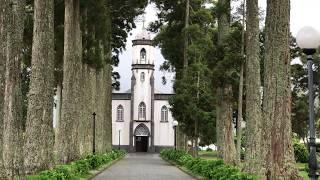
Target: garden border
(183,169)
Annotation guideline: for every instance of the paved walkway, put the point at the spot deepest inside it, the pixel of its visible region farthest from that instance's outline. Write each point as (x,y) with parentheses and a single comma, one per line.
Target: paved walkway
(142,166)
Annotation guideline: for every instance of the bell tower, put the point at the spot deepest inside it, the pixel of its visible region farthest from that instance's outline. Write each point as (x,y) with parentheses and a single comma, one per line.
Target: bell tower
(142,87)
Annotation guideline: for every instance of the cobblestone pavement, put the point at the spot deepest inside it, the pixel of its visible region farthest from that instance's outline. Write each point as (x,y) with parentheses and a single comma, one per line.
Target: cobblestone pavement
(142,166)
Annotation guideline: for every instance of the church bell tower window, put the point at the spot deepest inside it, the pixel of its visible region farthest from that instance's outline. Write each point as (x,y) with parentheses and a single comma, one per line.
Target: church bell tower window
(142,77)
(143,56)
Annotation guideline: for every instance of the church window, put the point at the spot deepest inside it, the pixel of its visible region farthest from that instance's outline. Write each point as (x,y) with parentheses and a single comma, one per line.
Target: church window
(142,111)
(143,56)
(142,77)
(120,113)
(164,114)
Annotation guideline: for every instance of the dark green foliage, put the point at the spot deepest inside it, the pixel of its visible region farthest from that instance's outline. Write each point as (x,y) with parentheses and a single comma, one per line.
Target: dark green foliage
(123,14)
(82,167)
(216,64)
(301,153)
(79,168)
(187,109)
(209,169)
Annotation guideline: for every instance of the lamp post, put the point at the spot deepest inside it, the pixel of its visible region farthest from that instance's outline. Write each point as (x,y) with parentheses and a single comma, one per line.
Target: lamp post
(119,139)
(174,125)
(94,133)
(308,39)
(119,128)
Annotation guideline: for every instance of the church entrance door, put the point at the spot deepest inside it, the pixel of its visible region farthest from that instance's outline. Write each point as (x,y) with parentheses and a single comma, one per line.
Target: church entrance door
(142,143)
(142,134)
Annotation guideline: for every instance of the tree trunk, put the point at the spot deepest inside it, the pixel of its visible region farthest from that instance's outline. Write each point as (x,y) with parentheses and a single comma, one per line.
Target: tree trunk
(240,100)
(253,158)
(39,126)
(277,133)
(196,126)
(219,122)
(108,70)
(227,143)
(68,148)
(226,146)
(108,110)
(3,22)
(186,37)
(12,122)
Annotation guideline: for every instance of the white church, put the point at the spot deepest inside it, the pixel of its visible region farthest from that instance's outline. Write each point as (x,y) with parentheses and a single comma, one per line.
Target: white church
(141,119)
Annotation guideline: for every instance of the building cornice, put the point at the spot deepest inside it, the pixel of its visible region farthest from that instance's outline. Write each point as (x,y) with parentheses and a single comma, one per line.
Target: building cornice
(143,66)
(142,42)
(162,96)
(121,96)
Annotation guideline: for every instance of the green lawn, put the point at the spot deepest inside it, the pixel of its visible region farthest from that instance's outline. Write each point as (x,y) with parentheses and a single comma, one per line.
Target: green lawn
(301,167)
(208,155)
(213,155)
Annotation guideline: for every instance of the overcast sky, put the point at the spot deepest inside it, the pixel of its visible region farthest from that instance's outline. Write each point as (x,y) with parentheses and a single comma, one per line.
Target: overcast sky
(303,13)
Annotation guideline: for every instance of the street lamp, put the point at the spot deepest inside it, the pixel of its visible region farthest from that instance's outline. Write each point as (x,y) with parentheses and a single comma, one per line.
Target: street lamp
(119,130)
(308,39)
(174,125)
(94,133)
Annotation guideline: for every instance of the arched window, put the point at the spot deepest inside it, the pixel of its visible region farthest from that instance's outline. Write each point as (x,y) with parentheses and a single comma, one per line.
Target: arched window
(164,114)
(143,56)
(142,111)
(142,77)
(120,113)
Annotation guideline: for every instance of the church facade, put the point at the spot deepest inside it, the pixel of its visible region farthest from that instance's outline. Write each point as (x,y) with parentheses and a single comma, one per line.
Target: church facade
(141,119)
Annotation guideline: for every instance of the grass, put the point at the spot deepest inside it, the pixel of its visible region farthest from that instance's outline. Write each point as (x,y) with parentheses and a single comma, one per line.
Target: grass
(301,167)
(210,155)
(213,155)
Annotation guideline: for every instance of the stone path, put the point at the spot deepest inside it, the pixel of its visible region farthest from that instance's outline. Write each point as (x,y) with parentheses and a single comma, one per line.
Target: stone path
(142,166)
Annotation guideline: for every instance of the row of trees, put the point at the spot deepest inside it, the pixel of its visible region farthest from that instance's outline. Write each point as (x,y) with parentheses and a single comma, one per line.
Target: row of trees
(213,55)
(64,48)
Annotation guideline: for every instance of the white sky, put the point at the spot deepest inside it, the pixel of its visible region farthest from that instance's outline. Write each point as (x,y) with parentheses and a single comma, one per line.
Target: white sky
(303,13)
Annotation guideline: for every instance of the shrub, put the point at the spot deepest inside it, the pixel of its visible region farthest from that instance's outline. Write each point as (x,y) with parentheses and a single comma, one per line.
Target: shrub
(81,167)
(209,149)
(77,168)
(209,169)
(300,152)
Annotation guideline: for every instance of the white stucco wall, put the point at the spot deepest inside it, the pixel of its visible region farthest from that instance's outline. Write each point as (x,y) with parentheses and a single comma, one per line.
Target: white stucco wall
(124,126)
(136,54)
(142,92)
(142,89)
(163,131)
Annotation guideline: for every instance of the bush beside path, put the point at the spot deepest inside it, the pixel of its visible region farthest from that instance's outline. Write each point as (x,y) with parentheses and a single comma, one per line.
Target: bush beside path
(80,169)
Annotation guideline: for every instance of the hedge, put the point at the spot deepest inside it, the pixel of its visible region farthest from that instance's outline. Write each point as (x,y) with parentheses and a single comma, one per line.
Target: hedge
(209,169)
(79,168)
(301,153)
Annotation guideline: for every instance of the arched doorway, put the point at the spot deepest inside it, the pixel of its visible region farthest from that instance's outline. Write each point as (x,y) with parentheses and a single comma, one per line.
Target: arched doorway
(141,134)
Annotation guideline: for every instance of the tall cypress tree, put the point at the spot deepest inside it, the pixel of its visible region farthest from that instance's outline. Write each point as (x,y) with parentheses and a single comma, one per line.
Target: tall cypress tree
(277,133)
(67,141)
(39,130)
(225,142)
(3,10)
(253,158)
(12,123)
